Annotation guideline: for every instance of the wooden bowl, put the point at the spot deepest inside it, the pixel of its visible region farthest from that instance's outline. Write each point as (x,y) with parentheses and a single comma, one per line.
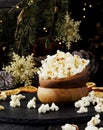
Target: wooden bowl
(63,90)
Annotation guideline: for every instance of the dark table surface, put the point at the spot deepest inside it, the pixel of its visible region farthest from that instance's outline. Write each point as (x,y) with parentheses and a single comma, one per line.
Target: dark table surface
(22,118)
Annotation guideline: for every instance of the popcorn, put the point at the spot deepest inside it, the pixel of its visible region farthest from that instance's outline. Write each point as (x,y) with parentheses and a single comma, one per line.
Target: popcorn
(32,103)
(91,128)
(91,125)
(14,103)
(54,107)
(15,100)
(99,107)
(94,120)
(1,107)
(82,109)
(3,96)
(68,127)
(61,65)
(45,107)
(86,101)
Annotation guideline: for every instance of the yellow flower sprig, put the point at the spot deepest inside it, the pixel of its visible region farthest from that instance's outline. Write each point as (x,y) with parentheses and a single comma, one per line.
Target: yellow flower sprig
(22,69)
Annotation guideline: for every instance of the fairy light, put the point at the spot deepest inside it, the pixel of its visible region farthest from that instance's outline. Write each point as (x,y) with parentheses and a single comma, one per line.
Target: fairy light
(1,21)
(85,4)
(84,9)
(45,30)
(17,6)
(84,16)
(90,6)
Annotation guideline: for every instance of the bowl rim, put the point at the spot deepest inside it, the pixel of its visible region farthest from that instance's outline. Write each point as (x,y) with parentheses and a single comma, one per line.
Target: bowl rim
(80,77)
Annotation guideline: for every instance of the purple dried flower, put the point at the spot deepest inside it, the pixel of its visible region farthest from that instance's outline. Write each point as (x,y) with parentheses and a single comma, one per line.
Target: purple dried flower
(6,80)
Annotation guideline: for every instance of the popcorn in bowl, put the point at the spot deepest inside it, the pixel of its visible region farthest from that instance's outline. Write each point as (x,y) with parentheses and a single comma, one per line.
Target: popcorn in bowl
(62,78)
(61,65)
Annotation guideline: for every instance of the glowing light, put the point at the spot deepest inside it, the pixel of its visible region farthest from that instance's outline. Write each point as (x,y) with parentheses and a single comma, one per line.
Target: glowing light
(90,6)
(45,30)
(17,6)
(1,21)
(84,9)
(84,16)
(85,3)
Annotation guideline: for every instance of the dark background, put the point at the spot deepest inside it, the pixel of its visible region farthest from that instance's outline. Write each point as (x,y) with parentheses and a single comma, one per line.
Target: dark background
(88,29)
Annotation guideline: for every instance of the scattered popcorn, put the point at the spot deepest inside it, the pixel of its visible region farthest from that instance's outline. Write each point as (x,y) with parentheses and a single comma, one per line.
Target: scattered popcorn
(68,127)
(43,108)
(86,101)
(32,103)
(3,96)
(99,107)
(1,107)
(94,120)
(15,103)
(91,127)
(15,100)
(54,107)
(101,128)
(61,65)
(78,103)
(82,109)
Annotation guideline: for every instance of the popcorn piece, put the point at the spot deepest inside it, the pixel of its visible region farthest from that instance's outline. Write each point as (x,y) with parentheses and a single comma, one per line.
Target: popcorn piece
(86,101)
(54,107)
(82,110)
(94,120)
(68,127)
(3,96)
(99,107)
(43,108)
(32,103)
(20,96)
(14,103)
(78,103)
(15,100)
(1,107)
(91,127)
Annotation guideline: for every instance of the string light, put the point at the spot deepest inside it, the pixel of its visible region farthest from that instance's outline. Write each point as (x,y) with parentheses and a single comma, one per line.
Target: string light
(45,30)
(17,6)
(90,6)
(1,21)
(84,16)
(84,9)
(85,3)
